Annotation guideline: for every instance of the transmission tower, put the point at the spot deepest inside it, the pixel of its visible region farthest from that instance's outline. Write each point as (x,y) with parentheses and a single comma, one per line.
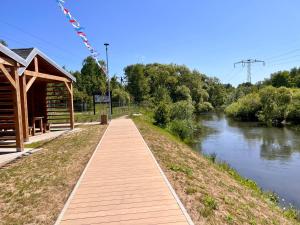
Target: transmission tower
(249,63)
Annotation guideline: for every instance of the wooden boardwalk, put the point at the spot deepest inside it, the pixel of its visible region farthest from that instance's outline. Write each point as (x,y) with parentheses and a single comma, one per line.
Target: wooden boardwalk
(123,184)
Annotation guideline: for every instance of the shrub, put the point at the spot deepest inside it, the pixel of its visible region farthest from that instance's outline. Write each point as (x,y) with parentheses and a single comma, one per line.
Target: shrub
(294,108)
(181,128)
(182,93)
(204,107)
(246,108)
(182,110)
(162,114)
(275,103)
(210,204)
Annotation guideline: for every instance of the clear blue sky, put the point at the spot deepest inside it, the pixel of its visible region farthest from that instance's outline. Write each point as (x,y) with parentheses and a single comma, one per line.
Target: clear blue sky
(208,35)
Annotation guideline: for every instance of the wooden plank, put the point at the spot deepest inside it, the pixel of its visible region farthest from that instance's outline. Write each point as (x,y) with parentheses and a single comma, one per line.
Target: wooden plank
(56,115)
(45,76)
(8,76)
(107,194)
(6,88)
(67,119)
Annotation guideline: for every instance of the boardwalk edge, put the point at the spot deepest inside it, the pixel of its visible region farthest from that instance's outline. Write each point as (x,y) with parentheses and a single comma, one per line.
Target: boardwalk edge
(181,206)
(79,181)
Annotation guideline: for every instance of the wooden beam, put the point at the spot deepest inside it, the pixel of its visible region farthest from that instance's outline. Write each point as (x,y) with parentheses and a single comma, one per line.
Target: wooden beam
(6,61)
(8,76)
(30,82)
(46,76)
(69,89)
(36,65)
(23,89)
(71,107)
(18,112)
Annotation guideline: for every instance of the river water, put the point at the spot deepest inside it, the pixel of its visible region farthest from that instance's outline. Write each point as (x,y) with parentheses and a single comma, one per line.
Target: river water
(269,156)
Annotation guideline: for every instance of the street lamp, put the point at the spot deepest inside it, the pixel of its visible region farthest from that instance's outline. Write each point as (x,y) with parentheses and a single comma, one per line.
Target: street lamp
(107,73)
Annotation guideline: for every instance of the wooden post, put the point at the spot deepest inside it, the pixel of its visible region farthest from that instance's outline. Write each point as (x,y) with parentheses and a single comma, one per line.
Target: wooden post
(24,107)
(18,111)
(71,106)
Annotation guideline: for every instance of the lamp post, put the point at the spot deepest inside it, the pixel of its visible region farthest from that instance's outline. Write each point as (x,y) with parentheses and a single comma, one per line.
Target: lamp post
(107,73)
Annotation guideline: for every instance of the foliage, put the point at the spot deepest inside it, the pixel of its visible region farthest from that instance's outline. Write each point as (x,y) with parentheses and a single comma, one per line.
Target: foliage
(182,93)
(120,95)
(161,94)
(270,105)
(216,91)
(294,107)
(162,114)
(245,108)
(93,80)
(274,104)
(137,82)
(3,42)
(284,78)
(155,82)
(182,110)
(204,107)
(181,128)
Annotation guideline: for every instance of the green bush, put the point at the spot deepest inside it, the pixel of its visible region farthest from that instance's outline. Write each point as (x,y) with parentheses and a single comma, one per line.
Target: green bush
(181,128)
(182,110)
(275,104)
(294,108)
(246,108)
(162,114)
(182,93)
(204,107)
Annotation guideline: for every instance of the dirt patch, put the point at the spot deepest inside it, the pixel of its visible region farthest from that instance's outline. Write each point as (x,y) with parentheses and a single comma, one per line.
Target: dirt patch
(34,189)
(210,195)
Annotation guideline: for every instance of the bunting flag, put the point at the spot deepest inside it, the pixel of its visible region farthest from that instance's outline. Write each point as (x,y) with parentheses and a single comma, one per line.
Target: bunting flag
(80,33)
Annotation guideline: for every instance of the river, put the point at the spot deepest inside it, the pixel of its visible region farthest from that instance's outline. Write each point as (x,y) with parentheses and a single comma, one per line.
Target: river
(269,156)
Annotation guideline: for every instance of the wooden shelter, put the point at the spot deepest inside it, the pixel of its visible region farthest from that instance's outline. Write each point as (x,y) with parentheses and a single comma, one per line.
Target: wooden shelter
(34,92)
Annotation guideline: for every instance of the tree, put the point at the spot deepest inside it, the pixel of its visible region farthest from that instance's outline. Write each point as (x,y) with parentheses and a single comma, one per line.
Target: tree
(3,43)
(161,94)
(275,104)
(246,108)
(121,96)
(162,114)
(91,79)
(182,110)
(280,79)
(138,85)
(216,92)
(182,93)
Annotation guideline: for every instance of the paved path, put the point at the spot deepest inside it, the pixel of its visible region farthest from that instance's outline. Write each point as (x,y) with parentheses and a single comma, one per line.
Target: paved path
(123,184)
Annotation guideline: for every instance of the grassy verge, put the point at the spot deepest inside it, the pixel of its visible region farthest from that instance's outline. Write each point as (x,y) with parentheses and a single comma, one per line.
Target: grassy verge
(212,193)
(82,117)
(33,190)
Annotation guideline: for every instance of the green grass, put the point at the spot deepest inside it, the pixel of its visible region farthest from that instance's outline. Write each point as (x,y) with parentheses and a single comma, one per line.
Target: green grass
(83,117)
(209,188)
(33,189)
(210,205)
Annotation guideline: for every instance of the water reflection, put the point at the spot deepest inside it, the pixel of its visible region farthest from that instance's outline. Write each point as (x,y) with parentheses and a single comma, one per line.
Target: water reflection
(271,156)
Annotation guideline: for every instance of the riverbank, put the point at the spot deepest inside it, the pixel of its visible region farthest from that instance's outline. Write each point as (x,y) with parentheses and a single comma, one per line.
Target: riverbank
(33,189)
(212,193)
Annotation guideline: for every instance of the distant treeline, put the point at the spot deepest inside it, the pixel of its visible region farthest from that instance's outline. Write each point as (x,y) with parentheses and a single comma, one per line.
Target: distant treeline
(175,94)
(273,101)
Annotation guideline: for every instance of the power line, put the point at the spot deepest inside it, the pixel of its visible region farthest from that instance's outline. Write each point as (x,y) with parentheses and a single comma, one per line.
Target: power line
(60,48)
(249,62)
(30,43)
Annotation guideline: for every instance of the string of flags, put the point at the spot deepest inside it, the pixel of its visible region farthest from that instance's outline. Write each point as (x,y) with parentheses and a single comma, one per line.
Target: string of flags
(79,30)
